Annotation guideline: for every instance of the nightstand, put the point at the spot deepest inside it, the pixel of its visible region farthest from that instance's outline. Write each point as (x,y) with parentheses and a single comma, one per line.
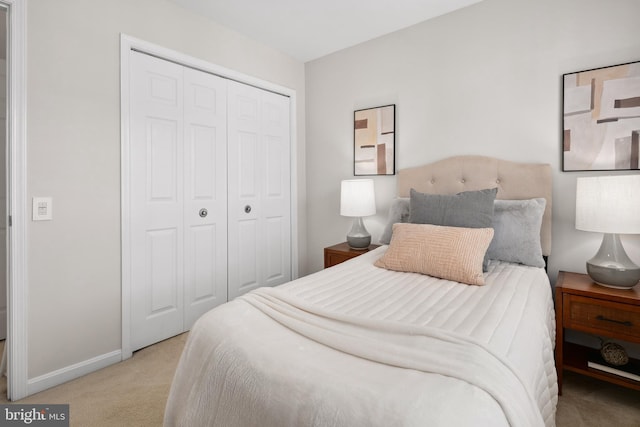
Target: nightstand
(342,252)
(583,305)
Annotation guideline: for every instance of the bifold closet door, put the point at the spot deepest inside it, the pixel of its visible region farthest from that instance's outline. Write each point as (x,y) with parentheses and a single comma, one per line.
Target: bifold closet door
(259,189)
(178,197)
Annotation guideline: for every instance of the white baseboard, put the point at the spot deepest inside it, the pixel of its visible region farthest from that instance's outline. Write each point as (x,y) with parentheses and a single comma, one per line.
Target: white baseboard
(3,321)
(68,373)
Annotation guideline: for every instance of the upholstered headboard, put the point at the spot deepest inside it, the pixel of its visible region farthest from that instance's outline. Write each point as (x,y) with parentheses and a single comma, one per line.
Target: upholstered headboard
(514,180)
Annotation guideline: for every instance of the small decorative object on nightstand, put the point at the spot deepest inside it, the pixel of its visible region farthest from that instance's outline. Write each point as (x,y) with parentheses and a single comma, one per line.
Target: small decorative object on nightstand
(614,354)
(584,306)
(342,252)
(610,205)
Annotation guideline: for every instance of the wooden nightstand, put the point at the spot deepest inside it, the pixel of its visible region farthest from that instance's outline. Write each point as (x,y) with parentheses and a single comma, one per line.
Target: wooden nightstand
(585,306)
(341,252)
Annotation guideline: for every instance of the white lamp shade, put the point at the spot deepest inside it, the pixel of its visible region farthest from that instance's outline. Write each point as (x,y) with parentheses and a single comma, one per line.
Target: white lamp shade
(608,204)
(357,198)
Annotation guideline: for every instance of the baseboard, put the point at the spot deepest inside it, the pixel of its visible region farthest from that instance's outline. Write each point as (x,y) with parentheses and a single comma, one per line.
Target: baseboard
(3,321)
(68,373)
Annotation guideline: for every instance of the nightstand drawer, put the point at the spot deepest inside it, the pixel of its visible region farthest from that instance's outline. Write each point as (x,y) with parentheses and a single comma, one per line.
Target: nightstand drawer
(341,252)
(336,258)
(598,316)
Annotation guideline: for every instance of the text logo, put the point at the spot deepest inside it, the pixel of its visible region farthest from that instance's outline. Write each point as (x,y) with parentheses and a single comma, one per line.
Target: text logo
(34,415)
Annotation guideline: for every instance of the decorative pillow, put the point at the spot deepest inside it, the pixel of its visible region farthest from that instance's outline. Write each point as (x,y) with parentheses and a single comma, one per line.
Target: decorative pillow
(517,231)
(472,209)
(398,212)
(452,253)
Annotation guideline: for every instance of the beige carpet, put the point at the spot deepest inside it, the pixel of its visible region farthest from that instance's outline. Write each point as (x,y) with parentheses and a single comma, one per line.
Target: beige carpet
(133,393)
(130,393)
(587,402)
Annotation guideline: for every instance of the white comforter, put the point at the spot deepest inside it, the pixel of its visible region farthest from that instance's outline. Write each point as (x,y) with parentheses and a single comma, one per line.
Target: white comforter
(356,345)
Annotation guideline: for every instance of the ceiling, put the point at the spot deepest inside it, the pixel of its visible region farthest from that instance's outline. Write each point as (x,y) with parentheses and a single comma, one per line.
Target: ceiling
(309,29)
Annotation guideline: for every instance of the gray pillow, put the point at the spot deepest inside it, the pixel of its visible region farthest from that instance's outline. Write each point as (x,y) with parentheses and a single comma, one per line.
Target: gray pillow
(470,209)
(516,225)
(398,212)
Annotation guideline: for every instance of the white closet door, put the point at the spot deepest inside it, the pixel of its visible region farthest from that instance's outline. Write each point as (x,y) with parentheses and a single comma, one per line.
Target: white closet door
(205,204)
(259,189)
(156,200)
(3,199)
(177,142)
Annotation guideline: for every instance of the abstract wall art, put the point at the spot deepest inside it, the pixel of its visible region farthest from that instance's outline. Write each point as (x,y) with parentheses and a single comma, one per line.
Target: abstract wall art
(601,118)
(374,139)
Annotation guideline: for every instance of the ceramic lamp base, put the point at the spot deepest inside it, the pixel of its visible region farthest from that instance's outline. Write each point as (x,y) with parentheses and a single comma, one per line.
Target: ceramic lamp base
(358,238)
(611,267)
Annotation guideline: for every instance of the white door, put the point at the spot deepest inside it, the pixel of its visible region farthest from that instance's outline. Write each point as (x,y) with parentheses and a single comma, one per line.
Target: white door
(178,164)
(259,189)
(3,199)
(205,198)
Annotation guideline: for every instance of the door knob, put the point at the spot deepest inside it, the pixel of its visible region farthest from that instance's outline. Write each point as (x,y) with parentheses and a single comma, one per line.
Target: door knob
(203,213)
(247,209)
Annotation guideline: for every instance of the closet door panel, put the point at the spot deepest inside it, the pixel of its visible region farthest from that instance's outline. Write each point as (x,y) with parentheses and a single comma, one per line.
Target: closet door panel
(277,188)
(178,200)
(204,263)
(259,189)
(246,266)
(162,271)
(205,195)
(156,137)
(276,251)
(245,208)
(162,139)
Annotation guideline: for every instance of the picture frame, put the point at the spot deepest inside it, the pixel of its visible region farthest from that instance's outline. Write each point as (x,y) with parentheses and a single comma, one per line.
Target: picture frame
(601,118)
(374,141)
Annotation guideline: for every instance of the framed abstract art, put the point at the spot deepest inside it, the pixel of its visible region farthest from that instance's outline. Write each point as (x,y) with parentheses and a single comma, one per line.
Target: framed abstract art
(374,140)
(601,118)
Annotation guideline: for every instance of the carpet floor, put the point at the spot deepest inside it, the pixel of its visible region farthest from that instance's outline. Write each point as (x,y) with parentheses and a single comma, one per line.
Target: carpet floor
(134,392)
(130,393)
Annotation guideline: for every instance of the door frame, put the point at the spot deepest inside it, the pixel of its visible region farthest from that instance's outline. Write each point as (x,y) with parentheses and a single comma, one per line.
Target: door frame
(127,45)
(17,315)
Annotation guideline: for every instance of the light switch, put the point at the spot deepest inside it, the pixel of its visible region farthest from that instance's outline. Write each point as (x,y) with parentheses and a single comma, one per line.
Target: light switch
(42,209)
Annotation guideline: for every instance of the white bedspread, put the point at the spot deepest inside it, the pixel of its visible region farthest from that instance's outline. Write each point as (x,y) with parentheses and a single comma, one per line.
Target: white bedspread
(357,345)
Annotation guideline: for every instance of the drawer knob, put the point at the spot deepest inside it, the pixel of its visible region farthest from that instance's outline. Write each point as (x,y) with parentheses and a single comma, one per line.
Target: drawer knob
(620,322)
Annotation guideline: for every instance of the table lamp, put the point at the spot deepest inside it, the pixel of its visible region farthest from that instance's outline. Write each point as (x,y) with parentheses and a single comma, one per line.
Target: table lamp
(357,199)
(610,205)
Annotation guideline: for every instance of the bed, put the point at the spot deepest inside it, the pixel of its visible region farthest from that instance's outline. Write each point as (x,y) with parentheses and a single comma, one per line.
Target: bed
(368,343)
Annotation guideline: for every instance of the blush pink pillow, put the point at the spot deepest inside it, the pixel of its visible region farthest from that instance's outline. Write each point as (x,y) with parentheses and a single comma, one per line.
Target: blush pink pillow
(452,253)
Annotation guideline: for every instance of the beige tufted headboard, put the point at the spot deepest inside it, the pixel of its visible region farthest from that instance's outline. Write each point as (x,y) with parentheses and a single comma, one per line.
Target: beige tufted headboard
(466,173)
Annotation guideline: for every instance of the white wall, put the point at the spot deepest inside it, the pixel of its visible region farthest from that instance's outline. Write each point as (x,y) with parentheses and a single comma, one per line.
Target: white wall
(482,80)
(74,156)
